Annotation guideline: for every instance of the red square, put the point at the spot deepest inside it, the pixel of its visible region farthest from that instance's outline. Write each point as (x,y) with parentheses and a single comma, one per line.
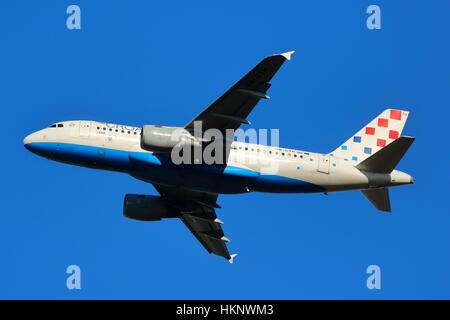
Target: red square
(383,122)
(396,114)
(381,143)
(370,131)
(393,134)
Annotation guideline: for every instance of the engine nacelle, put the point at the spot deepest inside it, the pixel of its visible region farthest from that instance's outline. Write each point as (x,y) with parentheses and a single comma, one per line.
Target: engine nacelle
(164,139)
(146,208)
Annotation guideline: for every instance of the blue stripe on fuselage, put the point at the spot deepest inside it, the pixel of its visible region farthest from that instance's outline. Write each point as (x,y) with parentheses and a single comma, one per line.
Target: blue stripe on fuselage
(158,168)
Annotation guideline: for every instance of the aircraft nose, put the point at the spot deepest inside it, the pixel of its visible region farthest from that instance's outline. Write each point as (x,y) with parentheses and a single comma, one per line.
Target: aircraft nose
(27,140)
(30,141)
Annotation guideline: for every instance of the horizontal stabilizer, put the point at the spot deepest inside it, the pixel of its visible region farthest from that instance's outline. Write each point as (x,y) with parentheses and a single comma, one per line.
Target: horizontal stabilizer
(379,198)
(385,160)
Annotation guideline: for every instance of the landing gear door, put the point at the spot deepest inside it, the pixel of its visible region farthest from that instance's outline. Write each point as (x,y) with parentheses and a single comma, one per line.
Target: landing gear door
(85,129)
(324,164)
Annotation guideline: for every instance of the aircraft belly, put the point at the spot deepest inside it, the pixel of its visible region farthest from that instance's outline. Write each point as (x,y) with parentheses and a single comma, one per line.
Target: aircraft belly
(281,184)
(231,179)
(83,155)
(209,178)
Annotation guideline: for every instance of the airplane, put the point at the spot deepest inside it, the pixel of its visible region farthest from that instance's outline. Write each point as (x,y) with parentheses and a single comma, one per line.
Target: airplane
(189,190)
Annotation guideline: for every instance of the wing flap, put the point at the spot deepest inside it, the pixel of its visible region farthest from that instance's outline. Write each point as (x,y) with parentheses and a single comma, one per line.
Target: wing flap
(209,233)
(197,211)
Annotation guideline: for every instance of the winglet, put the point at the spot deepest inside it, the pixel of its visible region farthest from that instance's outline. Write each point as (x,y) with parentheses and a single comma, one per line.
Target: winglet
(232,258)
(287,55)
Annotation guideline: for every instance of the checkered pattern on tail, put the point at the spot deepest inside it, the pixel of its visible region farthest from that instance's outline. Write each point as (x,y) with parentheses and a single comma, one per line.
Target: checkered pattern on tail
(380,132)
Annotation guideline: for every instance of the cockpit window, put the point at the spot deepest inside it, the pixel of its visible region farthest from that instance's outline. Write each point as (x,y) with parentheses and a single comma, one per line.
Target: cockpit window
(57,125)
(60,125)
(53,126)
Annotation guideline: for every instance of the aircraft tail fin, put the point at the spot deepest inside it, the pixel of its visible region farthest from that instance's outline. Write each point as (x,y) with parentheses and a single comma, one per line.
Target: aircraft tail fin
(379,133)
(379,198)
(385,160)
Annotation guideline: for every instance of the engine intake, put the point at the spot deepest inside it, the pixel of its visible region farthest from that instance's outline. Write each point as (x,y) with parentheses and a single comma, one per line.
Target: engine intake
(146,208)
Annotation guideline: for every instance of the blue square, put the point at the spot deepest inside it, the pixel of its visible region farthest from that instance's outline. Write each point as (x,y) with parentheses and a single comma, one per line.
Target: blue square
(355,158)
(344,147)
(357,139)
(368,150)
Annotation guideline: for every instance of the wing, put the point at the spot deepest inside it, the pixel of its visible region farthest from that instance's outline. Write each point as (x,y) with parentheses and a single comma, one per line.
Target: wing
(233,107)
(196,210)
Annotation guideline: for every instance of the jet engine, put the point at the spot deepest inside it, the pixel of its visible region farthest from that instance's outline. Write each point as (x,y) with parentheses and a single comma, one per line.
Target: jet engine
(146,208)
(164,139)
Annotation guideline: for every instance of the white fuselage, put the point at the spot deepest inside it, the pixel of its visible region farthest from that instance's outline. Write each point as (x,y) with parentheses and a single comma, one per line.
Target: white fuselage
(250,167)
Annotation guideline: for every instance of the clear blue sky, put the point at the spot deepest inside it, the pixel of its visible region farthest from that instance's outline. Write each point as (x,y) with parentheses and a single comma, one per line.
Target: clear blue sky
(142,62)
